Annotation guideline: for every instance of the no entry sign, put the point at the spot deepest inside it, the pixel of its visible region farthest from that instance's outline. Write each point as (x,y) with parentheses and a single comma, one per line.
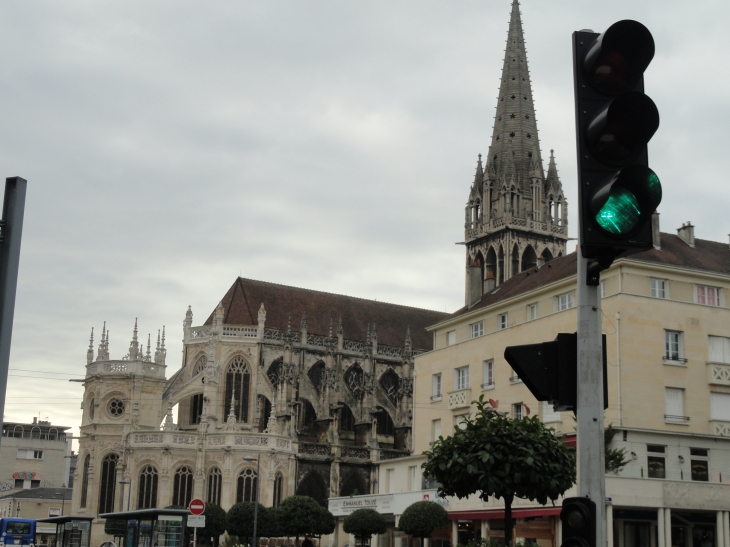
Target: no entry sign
(196,506)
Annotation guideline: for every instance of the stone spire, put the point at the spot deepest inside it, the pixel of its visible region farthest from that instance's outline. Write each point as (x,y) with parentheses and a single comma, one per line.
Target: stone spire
(90,351)
(303,322)
(515,122)
(103,354)
(160,351)
(134,344)
(148,355)
(339,325)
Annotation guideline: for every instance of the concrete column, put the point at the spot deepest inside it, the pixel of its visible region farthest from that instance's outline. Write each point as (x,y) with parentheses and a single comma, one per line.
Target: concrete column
(558,531)
(719,530)
(609,525)
(351,540)
(726,528)
(485,529)
(660,527)
(454,533)
(668,527)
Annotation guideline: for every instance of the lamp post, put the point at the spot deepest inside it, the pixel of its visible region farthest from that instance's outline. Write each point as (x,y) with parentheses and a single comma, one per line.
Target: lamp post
(256,501)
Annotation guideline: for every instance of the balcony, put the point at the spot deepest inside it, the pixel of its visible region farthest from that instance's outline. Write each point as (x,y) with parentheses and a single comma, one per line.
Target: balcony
(720,428)
(459,399)
(718,374)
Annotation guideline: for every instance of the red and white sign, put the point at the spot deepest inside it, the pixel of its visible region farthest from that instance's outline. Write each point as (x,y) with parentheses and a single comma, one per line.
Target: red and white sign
(196,506)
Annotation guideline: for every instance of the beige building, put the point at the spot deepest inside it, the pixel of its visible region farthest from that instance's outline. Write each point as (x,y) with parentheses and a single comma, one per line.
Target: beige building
(38,503)
(34,455)
(667,322)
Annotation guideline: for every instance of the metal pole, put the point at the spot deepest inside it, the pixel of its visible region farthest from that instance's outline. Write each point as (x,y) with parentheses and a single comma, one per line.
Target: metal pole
(12,231)
(256,503)
(591,457)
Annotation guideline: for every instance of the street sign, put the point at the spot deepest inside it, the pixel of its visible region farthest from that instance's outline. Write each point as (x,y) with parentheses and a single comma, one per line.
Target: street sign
(196,506)
(196,521)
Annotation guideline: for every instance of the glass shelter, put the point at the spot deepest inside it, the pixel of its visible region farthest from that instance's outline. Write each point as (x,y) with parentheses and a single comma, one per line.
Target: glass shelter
(151,527)
(71,531)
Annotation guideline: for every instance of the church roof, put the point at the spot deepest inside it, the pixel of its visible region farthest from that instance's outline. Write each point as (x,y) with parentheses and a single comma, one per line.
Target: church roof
(242,301)
(706,255)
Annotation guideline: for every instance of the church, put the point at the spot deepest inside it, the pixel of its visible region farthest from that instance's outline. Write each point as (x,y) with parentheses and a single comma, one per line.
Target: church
(318,385)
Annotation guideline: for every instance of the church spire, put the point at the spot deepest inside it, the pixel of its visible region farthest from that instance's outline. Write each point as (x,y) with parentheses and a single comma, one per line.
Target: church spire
(515,128)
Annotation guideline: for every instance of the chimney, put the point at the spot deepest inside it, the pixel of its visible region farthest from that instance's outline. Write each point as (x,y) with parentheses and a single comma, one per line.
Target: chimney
(687,233)
(656,237)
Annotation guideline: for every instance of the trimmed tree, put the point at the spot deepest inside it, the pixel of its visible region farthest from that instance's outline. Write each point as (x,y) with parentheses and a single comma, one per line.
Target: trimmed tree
(239,521)
(420,519)
(325,523)
(117,528)
(363,523)
(215,522)
(298,516)
(493,455)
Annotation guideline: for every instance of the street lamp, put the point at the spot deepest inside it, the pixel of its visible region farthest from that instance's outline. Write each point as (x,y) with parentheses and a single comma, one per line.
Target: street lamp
(256,501)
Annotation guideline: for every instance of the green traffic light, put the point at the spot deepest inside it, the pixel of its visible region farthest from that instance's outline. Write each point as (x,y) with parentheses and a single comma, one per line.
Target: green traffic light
(620,213)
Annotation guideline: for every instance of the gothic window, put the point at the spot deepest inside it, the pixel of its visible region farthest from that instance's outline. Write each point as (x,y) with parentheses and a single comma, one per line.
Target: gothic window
(347,419)
(547,256)
(91,403)
(515,260)
(353,486)
(182,491)
(200,365)
(308,418)
(85,480)
(275,373)
(529,258)
(246,486)
(278,489)
(238,381)
(147,498)
(115,408)
(313,486)
(316,375)
(265,412)
(490,270)
(215,479)
(354,378)
(196,408)
(384,422)
(108,483)
(389,384)
(500,268)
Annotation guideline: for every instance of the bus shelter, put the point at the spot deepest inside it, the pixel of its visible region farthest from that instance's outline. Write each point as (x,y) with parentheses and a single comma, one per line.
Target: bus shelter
(152,527)
(71,531)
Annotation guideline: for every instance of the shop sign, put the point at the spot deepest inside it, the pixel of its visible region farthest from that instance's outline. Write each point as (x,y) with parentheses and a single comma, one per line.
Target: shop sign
(345,506)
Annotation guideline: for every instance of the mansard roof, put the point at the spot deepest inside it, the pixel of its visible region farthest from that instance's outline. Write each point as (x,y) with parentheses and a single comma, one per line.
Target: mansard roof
(242,301)
(709,256)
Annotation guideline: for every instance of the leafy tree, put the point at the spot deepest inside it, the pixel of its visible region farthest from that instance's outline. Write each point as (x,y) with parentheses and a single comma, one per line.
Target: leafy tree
(239,521)
(325,523)
(493,455)
(298,516)
(115,527)
(615,457)
(420,519)
(215,523)
(363,523)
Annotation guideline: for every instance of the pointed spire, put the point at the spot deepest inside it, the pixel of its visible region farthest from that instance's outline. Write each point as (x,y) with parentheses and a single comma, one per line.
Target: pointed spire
(330,334)
(367,336)
(90,351)
(160,351)
(303,322)
(188,318)
(148,355)
(134,344)
(262,314)
(339,326)
(552,178)
(408,336)
(478,180)
(231,412)
(375,330)
(288,324)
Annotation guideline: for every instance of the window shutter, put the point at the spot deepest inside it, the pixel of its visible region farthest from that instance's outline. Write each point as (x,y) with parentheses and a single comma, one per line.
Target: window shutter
(716,349)
(674,406)
(720,406)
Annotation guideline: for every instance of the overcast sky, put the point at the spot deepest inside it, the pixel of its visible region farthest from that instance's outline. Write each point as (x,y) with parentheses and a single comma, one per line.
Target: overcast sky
(170,146)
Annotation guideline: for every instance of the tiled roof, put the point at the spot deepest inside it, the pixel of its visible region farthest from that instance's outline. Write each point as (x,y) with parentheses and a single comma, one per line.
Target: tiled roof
(710,256)
(40,494)
(242,301)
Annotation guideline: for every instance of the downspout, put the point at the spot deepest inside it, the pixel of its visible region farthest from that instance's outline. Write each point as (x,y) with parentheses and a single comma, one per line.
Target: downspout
(618,365)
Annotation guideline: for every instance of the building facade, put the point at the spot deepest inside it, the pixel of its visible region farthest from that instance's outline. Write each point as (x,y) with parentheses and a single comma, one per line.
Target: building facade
(318,403)
(38,503)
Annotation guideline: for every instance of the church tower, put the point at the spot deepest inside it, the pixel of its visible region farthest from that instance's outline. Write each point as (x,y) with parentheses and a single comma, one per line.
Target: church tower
(516,214)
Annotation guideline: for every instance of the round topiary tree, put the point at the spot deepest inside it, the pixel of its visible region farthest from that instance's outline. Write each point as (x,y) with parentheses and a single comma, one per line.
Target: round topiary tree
(215,523)
(239,521)
(325,523)
(420,519)
(298,516)
(363,523)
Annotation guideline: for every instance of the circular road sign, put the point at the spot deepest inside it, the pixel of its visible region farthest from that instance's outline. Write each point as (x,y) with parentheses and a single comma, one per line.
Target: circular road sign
(196,506)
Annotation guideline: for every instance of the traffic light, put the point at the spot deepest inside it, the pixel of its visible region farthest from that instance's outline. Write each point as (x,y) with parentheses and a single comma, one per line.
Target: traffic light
(618,193)
(578,516)
(550,370)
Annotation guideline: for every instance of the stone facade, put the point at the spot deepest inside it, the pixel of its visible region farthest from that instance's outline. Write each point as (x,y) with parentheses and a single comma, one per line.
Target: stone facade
(315,404)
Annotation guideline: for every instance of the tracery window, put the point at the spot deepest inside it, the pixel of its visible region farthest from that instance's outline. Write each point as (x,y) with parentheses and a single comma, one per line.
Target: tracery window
(196,408)
(384,422)
(108,483)
(278,489)
(85,480)
(246,486)
(389,384)
(347,419)
(215,479)
(182,491)
(238,381)
(354,379)
(275,373)
(199,365)
(147,496)
(316,375)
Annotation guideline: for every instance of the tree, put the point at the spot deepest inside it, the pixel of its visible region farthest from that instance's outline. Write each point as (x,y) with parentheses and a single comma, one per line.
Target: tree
(115,527)
(615,457)
(215,522)
(325,523)
(298,516)
(239,521)
(493,455)
(420,519)
(363,523)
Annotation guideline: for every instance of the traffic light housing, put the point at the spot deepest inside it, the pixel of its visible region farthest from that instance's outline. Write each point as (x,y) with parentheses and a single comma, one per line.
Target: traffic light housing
(550,370)
(578,516)
(618,193)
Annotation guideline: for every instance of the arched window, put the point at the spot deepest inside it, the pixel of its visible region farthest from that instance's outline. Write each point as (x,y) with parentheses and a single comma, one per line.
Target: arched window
(275,373)
(515,261)
(309,419)
(547,256)
(347,419)
(215,479)
(313,486)
(85,480)
(35,432)
(246,486)
(53,434)
(196,408)
(92,407)
(182,491)
(384,422)
(316,375)
(389,384)
(353,380)
(18,431)
(265,409)
(278,489)
(353,486)
(500,266)
(147,496)
(238,381)
(200,365)
(529,258)
(108,483)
